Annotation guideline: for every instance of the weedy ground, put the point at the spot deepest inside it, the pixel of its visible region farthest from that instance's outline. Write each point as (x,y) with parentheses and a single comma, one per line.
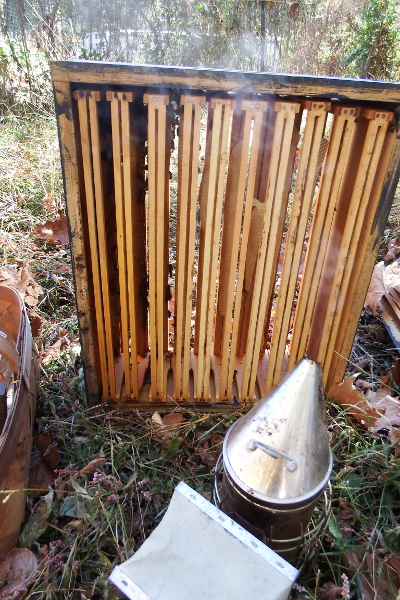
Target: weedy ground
(115,473)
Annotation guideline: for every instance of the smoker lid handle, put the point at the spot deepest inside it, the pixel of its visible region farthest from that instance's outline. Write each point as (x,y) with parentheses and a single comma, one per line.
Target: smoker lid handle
(291,464)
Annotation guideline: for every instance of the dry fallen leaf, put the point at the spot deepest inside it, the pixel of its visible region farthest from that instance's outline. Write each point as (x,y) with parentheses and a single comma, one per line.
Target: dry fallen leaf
(36,324)
(172,419)
(90,467)
(348,396)
(22,280)
(49,203)
(49,452)
(376,289)
(4,568)
(396,371)
(23,568)
(40,476)
(55,232)
(55,349)
(139,522)
(393,248)
(329,591)
(391,274)
(377,410)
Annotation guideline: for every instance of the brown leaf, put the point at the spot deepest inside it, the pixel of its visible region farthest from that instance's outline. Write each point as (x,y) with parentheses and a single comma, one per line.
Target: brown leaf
(42,554)
(54,350)
(393,248)
(139,522)
(40,477)
(391,275)
(172,419)
(329,591)
(346,395)
(166,427)
(346,520)
(22,280)
(382,412)
(36,324)
(23,568)
(90,467)
(49,203)
(383,391)
(55,232)
(208,455)
(376,289)
(389,408)
(396,371)
(4,568)
(23,564)
(394,562)
(207,495)
(373,575)
(44,443)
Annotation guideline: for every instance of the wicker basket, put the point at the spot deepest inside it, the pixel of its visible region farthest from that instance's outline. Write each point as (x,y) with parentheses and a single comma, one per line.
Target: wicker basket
(18,381)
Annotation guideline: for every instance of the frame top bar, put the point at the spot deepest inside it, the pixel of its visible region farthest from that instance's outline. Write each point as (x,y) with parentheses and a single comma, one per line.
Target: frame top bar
(96,72)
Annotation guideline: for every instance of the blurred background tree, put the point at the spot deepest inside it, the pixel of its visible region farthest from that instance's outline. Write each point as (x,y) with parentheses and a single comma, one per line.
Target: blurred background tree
(357,38)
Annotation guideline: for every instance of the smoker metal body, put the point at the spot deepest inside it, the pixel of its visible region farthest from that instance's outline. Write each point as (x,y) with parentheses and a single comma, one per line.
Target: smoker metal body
(277,461)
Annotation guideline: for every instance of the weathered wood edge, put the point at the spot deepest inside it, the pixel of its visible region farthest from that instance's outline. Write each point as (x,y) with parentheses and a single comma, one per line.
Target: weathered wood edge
(152,406)
(97,72)
(66,134)
(376,234)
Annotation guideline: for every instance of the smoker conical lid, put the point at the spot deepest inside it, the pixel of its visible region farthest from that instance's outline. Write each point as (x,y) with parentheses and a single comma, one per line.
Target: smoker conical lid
(289,419)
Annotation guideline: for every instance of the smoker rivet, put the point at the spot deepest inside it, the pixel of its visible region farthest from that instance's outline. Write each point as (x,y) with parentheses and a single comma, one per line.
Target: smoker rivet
(291,465)
(251,445)
(284,107)
(158,99)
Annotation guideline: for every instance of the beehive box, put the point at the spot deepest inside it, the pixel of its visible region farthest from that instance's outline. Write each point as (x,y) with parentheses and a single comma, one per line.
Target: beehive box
(222,223)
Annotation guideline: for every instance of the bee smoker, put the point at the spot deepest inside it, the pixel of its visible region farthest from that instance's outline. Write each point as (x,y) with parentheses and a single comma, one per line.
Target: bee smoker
(277,463)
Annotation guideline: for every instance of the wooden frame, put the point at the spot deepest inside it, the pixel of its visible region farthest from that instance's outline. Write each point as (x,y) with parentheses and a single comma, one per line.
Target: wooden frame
(285,248)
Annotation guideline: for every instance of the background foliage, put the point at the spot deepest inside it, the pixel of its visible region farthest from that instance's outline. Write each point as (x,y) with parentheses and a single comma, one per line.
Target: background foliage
(356,38)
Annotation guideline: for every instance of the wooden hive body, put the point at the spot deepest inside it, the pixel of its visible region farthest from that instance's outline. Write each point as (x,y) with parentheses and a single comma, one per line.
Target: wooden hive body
(204,273)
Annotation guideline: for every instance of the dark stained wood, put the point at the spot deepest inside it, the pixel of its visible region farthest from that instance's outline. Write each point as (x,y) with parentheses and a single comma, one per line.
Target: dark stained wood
(66,130)
(222,80)
(378,227)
